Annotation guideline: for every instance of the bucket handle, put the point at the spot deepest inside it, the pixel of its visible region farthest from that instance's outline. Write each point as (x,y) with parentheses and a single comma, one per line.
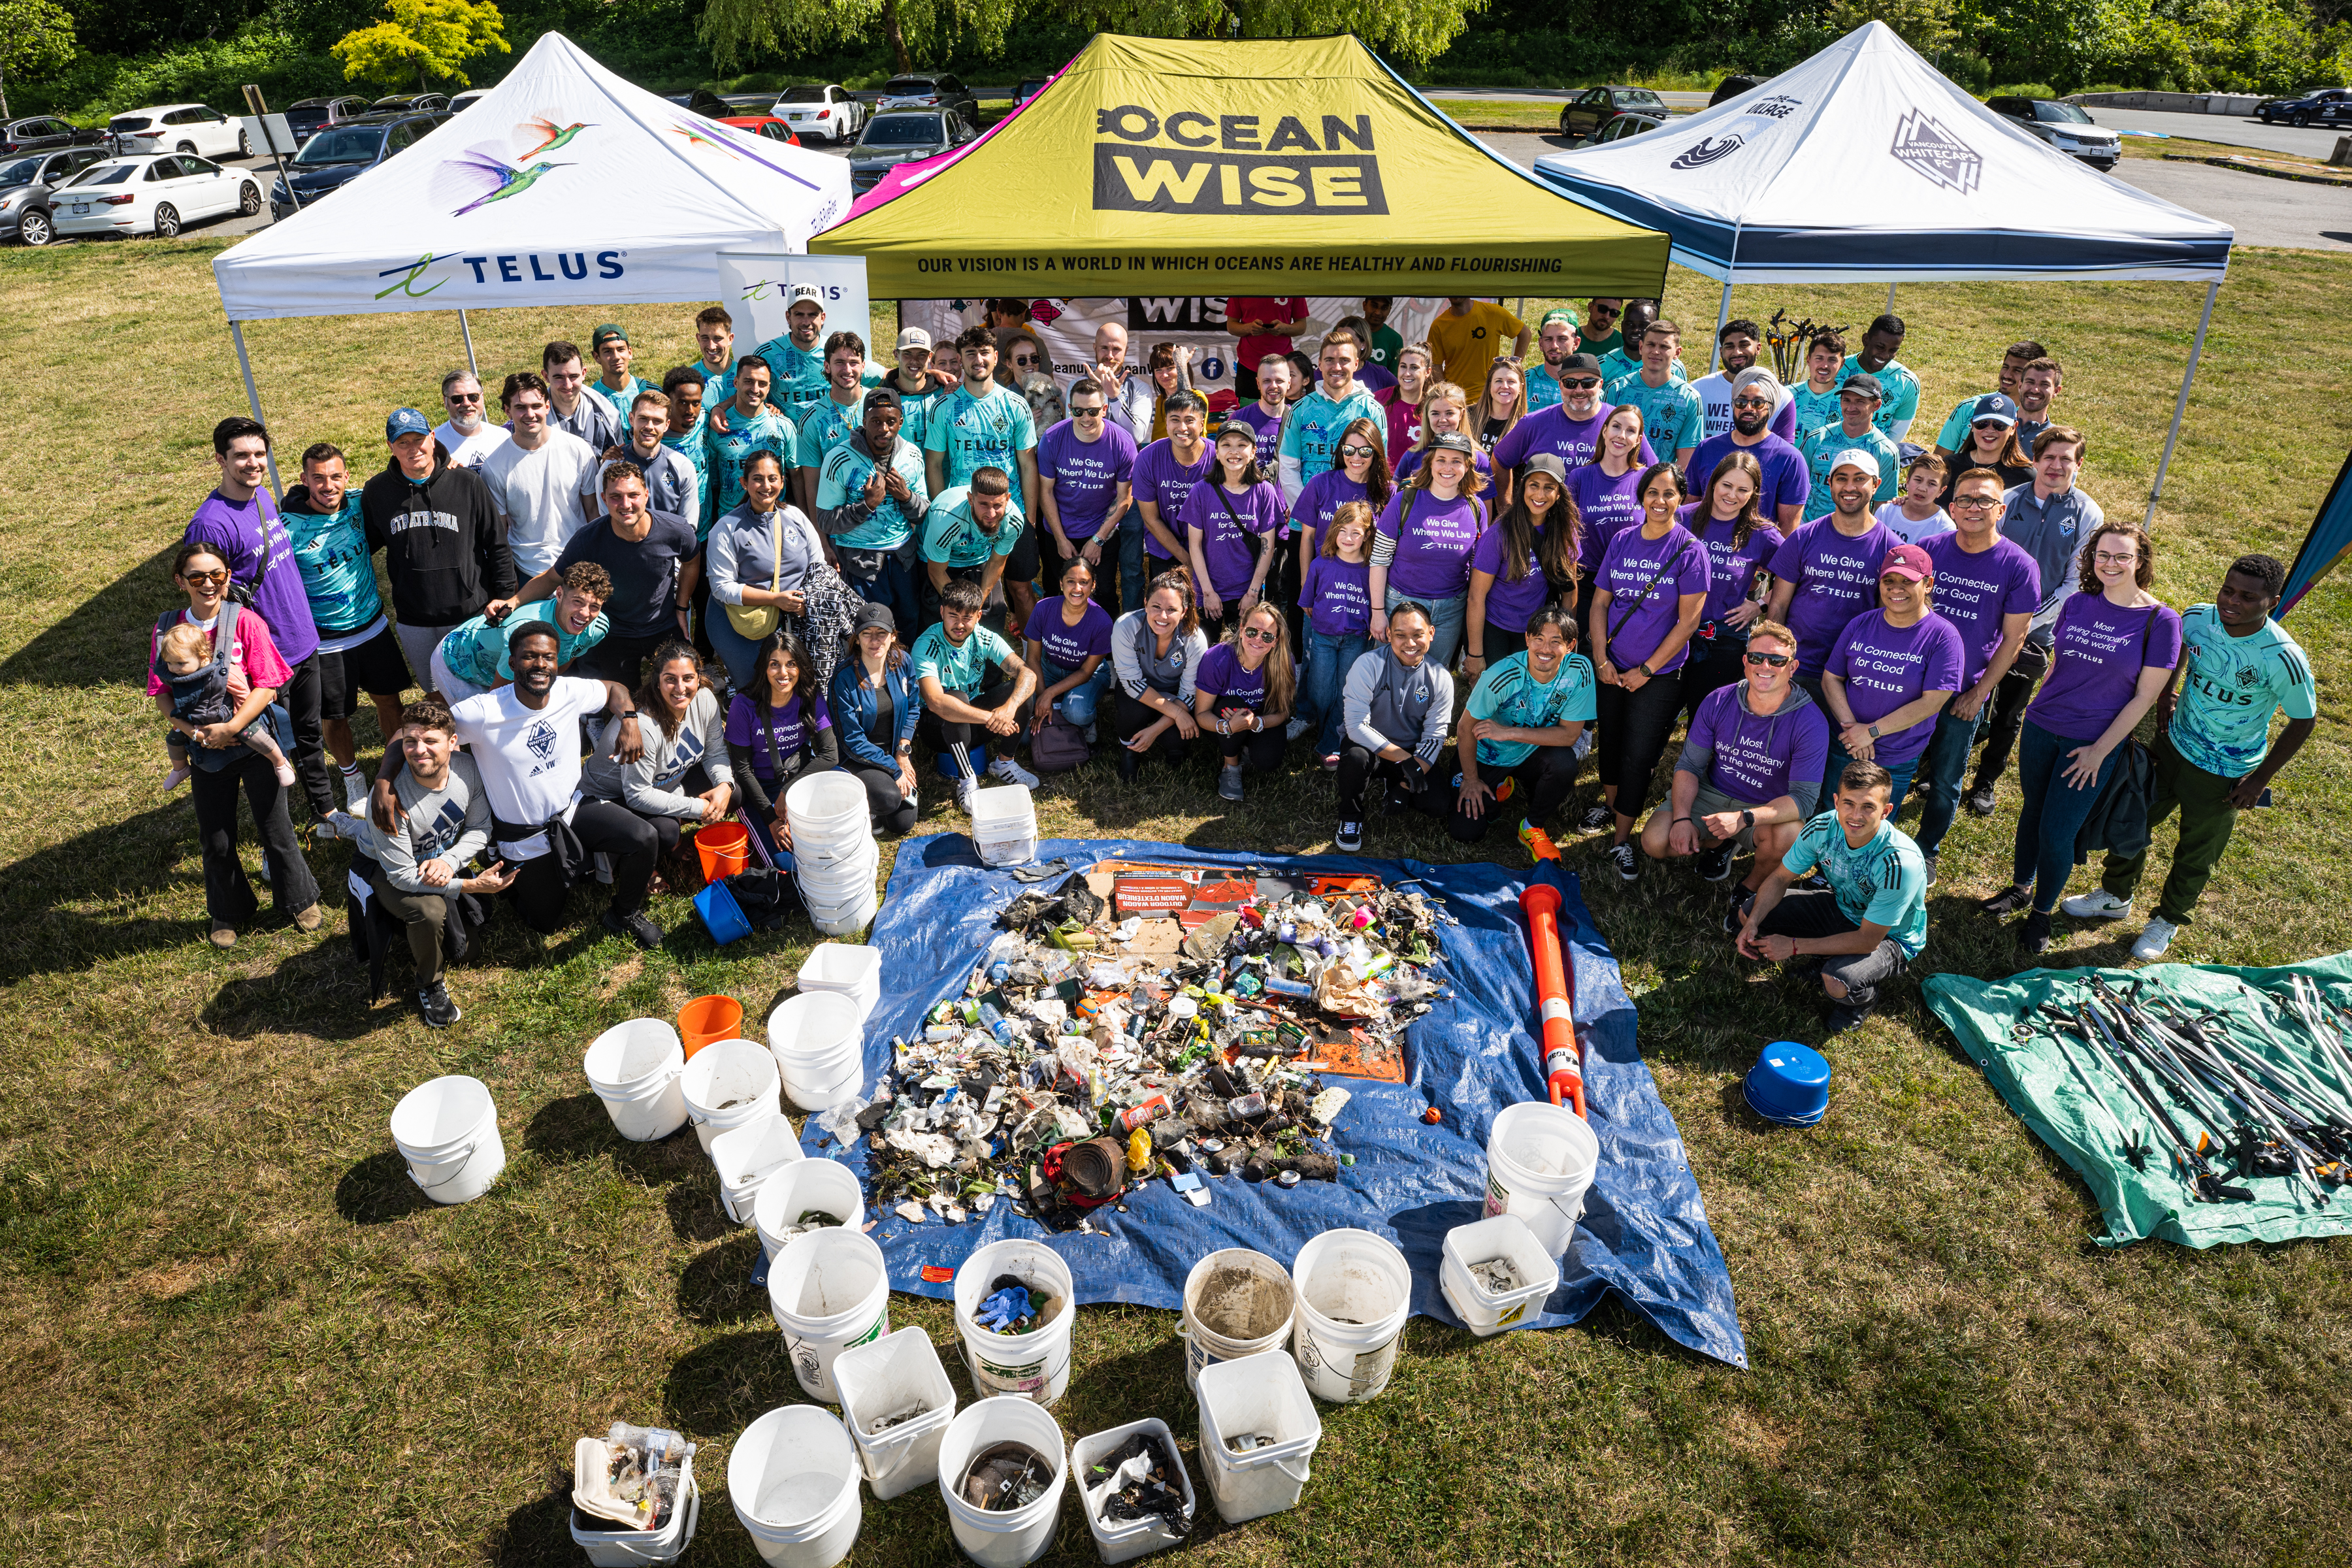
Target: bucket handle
(890,1442)
(458,1160)
(1243,1462)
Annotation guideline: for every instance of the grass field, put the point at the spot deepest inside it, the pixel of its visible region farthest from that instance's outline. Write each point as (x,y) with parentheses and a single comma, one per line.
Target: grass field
(238,1336)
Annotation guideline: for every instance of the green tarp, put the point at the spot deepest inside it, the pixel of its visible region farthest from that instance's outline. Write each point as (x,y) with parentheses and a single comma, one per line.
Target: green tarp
(2039,1086)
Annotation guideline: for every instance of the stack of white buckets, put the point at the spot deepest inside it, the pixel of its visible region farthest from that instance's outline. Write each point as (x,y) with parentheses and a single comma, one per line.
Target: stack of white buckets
(835,856)
(1004,825)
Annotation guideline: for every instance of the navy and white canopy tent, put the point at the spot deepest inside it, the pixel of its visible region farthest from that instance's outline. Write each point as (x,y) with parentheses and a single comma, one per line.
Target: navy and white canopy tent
(1865,163)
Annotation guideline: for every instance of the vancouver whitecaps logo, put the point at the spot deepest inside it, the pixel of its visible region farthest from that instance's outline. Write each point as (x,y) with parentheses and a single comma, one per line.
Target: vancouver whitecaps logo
(1706,150)
(1923,145)
(541,740)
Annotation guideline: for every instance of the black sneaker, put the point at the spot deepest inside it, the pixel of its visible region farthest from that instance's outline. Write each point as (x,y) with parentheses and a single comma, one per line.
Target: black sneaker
(2008,901)
(1629,869)
(1844,1016)
(635,927)
(2033,933)
(1979,801)
(435,1004)
(1350,838)
(1596,817)
(1128,762)
(1734,913)
(1930,862)
(1715,864)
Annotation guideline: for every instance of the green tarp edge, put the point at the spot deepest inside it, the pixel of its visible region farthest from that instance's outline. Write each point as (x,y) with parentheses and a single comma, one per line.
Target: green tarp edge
(2033,1077)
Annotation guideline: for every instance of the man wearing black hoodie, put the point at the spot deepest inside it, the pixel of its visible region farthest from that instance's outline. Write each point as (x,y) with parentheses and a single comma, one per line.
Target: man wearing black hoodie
(444,547)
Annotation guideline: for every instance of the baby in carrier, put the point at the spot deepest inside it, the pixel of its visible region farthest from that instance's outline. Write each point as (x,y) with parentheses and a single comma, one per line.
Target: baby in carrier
(199,687)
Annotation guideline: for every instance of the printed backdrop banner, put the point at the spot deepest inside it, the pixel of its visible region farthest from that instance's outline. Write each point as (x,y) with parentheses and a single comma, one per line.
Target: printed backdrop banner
(757,288)
(1194,322)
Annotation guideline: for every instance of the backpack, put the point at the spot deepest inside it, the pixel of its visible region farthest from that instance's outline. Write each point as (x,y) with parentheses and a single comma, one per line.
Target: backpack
(1058,747)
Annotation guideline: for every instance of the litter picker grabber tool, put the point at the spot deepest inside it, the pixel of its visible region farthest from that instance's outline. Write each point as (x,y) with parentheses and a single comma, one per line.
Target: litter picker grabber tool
(1555,997)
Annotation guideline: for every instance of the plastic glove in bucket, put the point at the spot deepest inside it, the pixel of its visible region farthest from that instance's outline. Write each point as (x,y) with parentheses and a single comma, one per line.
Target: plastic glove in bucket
(1355,1290)
(1539,1164)
(728,1083)
(447,1131)
(1002,1471)
(1258,1430)
(897,1402)
(1236,1303)
(1496,1275)
(635,1068)
(793,1478)
(1025,1355)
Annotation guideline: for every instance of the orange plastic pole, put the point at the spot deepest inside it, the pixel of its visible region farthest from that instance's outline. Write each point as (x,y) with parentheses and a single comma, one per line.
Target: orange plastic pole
(1563,1053)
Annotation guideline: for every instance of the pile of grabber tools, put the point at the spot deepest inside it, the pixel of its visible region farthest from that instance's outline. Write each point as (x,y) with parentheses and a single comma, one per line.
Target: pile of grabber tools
(2219,1098)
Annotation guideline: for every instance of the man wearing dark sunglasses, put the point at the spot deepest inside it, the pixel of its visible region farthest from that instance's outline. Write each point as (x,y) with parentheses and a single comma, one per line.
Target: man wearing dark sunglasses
(1085,466)
(1787,480)
(1570,431)
(1600,332)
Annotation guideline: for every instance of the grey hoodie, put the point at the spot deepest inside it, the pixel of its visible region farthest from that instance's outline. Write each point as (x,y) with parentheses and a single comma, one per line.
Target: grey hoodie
(1387,704)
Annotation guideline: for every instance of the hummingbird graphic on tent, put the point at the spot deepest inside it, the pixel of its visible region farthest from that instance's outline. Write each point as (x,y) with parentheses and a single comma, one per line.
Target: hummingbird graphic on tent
(545,135)
(697,138)
(481,175)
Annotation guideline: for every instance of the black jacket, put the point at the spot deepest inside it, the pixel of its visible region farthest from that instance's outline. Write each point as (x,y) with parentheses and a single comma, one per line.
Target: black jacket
(2119,821)
(444,547)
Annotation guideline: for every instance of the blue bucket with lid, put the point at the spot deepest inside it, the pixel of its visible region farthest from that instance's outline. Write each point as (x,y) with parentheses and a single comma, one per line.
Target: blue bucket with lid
(1789,1085)
(721,915)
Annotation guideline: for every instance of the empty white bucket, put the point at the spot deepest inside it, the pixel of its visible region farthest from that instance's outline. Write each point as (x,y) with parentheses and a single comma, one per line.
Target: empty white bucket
(1122,1543)
(819,1042)
(825,1185)
(1257,1396)
(447,1131)
(897,1379)
(828,1290)
(728,1083)
(824,801)
(1236,1303)
(635,1069)
(746,1156)
(1035,1365)
(793,1478)
(627,1548)
(853,972)
(1539,1164)
(1355,1290)
(1015,1536)
(845,920)
(1486,1305)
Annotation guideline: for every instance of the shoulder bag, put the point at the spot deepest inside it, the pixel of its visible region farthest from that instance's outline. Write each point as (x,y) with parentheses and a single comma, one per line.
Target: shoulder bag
(754,622)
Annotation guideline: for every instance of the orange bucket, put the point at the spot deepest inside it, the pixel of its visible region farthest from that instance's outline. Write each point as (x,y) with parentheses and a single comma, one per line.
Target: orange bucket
(709,1018)
(725,848)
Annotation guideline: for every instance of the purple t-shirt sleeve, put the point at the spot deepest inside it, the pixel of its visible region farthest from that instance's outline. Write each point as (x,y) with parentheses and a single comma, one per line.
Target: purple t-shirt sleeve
(1042,617)
(1216,670)
(1487,556)
(1512,449)
(1789,560)
(1790,480)
(739,723)
(824,715)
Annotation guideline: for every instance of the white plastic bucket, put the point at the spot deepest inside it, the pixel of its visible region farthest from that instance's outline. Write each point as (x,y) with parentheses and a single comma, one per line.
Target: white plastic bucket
(626,1548)
(826,800)
(1004,824)
(793,1478)
(1505,1237)
(1016,1536)
(1261,1396)
(447,1131)
(819,1044)
(828,1290)
(837,897)
(1539,1164)
(848,920)
(1035,1365)
(746,1156)
(635,1069)
(850,970)
(798,1188)
(1123,1542)
(1355,1290)
(892,1376)
(728,1083)
(1012,849)
(1236,1303)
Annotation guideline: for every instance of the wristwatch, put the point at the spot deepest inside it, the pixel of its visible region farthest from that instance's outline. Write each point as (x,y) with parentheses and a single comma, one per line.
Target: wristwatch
(1644,671)
(1874,732)
(1746,818)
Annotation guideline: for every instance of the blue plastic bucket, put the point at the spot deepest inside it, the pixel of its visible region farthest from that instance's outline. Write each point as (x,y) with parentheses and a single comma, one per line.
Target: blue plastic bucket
(1789,1084)
(722,917)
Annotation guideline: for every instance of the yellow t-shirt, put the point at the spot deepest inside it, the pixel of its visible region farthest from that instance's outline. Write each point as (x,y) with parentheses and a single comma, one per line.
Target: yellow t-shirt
(1467,345)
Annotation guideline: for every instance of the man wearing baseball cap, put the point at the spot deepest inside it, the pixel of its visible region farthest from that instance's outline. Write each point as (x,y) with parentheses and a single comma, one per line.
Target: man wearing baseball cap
(616,386)
(444,546)
(917,384)
(1858,401)
(1826,572)
(1569,430)
(795,359)
(1891,673)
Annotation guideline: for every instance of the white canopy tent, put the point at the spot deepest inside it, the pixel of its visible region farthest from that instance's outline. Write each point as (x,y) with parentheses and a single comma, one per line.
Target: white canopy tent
(1865,163)
(562,184)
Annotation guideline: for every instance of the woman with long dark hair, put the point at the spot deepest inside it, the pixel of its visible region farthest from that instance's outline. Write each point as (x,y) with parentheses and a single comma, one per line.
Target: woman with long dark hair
(675,780)
(777,730)
(1360,473)
(878,704)
(1728,519)
(1243,696)
(1156,651)
(1509,578)
(1232,520)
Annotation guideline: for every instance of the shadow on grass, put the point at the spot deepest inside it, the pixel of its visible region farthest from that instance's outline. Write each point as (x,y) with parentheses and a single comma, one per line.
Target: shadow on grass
(718,1389)
(128,862)
(540,1531)
(576,1128)
(378,1190)
(696,1214)
(85,647)
(717,1288)
(321,990)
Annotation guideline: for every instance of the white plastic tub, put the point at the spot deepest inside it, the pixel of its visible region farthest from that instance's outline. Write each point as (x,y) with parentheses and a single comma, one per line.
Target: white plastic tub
(1124,1543)
(635,1068)
(1016,1536)
(1035,1365)
(1004,825)
(1258,1397)
(1504,1237)
(628,1547)
(885,1379)
(819,1042)
(855,971)
(1540,1161)
(828,1290)
(793,1478)
(824,801)
(799,1186)
(447,1131)
(847,920)
(746,1156)
(1355,1290)
(727,1084)
(1236,1303)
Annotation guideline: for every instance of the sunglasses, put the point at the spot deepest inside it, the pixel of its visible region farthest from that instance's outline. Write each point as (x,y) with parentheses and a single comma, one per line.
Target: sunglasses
(1086,412)
(1024,359)
(461,396)
(1990,425)
(1775,659)
(1253,634)
(1582,382)
(204,576)
(1602,311)
(1360,451)
(1751,403)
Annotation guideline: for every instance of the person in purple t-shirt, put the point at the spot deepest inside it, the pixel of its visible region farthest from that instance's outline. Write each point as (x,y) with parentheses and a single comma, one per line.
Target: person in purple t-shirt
(1361,474)
(1242,696)
(1787,479)
(1165,473)
(1730,521)
(1335,595)
(1084,466)
(1232,522)
(1527,560)
(2111,655)
(1607,495)
(241,522)
(1891,673)
(1646,602)
(1069,648)
(1265,416)
(1569,429)
(778,729)
(1421,547)
(1826,572)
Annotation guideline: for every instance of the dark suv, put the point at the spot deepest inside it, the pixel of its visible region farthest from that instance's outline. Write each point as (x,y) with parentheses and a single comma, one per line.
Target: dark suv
(341,154)
(26,188)
(312,115)
(1582,117)
(2322,106)
(702,101)
(41,133)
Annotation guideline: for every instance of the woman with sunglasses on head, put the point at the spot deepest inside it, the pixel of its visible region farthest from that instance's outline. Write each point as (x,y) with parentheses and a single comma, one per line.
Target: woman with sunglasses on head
(1242,696)
(1728,520)
(1156,651)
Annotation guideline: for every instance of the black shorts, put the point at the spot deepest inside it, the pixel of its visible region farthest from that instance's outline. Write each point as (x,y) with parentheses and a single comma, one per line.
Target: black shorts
(375,668)
(1021,567)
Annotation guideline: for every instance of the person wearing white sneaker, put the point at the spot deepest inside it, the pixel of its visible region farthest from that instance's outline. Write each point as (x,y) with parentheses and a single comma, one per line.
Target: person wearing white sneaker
(1242,694)
(974,687)
(2213,753)
(1156,651)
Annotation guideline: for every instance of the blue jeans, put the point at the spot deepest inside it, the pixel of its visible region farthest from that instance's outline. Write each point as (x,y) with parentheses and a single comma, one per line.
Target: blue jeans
(1135,568)
(1836,770)
(1448,618)
(893,585)
(1078,705)
(733,647)
(2053,814)
(1943,765)
(1328,660)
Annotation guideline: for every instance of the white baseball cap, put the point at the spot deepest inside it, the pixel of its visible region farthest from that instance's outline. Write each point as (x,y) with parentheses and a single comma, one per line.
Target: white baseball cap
(1856,458)
(914,338)
(800,292)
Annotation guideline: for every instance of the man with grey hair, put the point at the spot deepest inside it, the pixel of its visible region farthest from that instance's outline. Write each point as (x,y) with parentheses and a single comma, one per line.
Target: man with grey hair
(467,435)
(1756,396)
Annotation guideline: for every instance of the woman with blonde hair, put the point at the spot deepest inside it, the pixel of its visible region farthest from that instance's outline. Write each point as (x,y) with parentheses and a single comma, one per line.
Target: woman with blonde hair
(1445,411)
(1503,404)
(1243,694)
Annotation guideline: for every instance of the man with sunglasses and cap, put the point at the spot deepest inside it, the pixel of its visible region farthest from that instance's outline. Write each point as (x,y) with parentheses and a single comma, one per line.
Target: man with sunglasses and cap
(1859,397)
(444,542)
(794,358)
(872,496)
(1569,430)
(1556,339)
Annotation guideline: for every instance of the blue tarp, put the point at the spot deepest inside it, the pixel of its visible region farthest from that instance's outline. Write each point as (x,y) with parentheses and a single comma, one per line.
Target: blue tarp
(1644,1232)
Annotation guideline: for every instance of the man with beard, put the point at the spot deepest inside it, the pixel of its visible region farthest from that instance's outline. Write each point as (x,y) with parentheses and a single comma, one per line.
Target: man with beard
(1736,347)
(1787,481)
(469,436)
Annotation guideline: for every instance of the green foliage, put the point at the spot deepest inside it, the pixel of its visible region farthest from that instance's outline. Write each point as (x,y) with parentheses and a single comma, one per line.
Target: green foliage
(425,40)
(1925,24)
(917,30)
(34,36)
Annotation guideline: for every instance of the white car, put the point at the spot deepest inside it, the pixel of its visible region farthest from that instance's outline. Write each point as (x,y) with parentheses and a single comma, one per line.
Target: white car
(822,113)
(180,127)
(466,100)
(154,193)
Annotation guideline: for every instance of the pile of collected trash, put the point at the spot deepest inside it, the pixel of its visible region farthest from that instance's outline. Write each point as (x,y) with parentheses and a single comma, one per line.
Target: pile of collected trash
(1150,1022)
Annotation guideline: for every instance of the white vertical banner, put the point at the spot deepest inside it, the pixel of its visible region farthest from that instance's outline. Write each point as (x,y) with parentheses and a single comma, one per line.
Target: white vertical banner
(756,289)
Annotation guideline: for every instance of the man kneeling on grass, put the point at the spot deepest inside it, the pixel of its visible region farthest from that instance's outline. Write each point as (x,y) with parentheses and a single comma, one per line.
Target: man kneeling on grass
(1869,923)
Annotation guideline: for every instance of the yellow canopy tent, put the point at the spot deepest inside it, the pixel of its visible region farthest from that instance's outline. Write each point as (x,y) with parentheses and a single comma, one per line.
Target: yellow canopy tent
(1286,166)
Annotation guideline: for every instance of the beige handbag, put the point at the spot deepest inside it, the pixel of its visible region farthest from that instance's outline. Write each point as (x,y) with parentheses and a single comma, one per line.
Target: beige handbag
(756,621)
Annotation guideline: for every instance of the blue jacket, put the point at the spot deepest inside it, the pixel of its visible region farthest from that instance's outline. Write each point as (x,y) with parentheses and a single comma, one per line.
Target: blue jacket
(854,706)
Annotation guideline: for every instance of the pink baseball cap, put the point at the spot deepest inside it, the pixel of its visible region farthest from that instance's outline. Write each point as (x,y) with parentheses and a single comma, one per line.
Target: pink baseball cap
(1908,561)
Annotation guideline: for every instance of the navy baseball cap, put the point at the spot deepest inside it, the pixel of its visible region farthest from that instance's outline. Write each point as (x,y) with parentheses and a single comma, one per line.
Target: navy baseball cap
(405,422)
(1994,408)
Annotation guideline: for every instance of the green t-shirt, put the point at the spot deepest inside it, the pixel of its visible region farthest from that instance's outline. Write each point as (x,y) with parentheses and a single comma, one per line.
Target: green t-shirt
(975,433)
(961,669)
(824,425)
(1672,415)
(1815,410)
(338,572)
(2231,688)
(1508,694)
(1900,403)
(1821,448)
(1386,345)
(951,538)
(842,477)
(1885,882)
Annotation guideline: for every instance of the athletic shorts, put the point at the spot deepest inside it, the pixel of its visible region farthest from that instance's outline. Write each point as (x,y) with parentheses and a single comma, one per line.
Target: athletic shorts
(1021,567)
(1707,802)
(375,668)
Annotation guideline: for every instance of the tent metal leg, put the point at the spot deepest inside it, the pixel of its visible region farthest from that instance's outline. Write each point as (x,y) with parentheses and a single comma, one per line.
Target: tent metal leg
(1890,297)
(2180,405)
(253,401)
(466,329)
(1722,314)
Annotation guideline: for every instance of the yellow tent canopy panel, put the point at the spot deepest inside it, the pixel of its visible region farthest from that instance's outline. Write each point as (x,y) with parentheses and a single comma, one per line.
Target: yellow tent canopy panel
(1304,164)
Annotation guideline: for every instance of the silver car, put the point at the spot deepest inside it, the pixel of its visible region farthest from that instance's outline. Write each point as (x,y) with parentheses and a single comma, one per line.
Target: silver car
(2064,126)
(903,136)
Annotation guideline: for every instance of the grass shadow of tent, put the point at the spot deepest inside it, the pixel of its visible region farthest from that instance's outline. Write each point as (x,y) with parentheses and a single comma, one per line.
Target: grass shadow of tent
(100,640)
(538,1531)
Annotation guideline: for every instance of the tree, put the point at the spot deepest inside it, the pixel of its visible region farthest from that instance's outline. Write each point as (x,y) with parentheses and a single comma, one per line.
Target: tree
(34,36)
(424,39)
(737,28)
(1413,30)
(1925,24)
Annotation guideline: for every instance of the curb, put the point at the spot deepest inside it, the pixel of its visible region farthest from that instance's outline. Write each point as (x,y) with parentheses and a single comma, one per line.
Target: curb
(2340,181)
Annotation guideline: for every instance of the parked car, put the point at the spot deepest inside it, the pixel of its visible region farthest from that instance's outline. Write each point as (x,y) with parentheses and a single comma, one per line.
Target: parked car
(180,127)
(312,115)
(2323,106)
(2062,125)
(342,154)
(825,111)
(411,103)
(766,125)
(926,90)
(1582,117)
(1733,86)
(1623,126)
(27,189)
(702,101)
(41,133)
(468,98)
(1029,89)
(904,136)
(152,192)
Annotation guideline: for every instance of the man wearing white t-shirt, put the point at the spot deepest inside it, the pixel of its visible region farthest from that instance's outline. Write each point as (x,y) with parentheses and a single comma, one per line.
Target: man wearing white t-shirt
(1736,347)
(466,436)
(535,477)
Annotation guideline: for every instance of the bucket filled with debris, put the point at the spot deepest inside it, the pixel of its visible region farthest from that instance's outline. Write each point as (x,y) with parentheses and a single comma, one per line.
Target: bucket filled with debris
(829,1290)
(1016,1314)
(897,1402)
(633,1500)
(1133,1486)
(1258,1433)
(1496,1275)
(806,1194)
(1355,1290)
(1003,1470)
(728,1083)
(1236,1303)
(793,1478)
